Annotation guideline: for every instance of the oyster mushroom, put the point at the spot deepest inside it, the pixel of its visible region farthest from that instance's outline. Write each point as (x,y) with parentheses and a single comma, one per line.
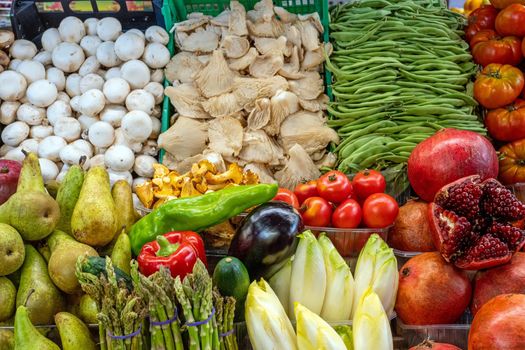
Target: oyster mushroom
(260,115)
(237,19)
(319,104)
(225,135)
(298,167)
(243,62)
(200,41)
(262,11)
(216,78)
(222,105)
(191,24)
(290,69)
(293,34)
(184,139)
(183,67)
(309,35)
(235,46)
(271,29)
(258,147)
(268,65)
(313,59)
(309,87)
(222,20)
(265,175)
(284,15)
(308,130)
(267,45)
(186,100)
(282,105)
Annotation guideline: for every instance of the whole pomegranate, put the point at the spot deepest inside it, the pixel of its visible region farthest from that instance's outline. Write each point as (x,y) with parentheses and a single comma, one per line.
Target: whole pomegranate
(411,231)
(449,155)
(472,223)
(429,344)
(499,324)
(9,172)
(504,279)
(431,291)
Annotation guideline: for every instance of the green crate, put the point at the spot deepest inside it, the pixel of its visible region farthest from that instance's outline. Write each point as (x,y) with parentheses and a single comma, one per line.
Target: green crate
(177,10)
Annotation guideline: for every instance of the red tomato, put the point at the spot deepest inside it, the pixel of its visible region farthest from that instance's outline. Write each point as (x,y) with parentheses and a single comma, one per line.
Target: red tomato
(489,48)
(287,196)
(347,215)
(334,186)
(523,49)
(508,123)
(306,190)
(498,85)
(316,211)
(511,20)
(483,17)
(501,4)
(379,210)
(512,162)
(368,182)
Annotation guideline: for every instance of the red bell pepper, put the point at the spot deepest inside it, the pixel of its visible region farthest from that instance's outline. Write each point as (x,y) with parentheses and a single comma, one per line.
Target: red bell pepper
(177,250)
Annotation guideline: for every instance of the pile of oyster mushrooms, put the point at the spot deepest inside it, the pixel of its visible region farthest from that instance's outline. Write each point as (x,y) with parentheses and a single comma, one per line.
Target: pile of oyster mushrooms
(247,89)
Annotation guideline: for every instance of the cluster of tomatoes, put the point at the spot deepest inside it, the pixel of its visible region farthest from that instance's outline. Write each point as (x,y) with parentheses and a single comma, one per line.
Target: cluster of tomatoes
(334,200)
(496,34)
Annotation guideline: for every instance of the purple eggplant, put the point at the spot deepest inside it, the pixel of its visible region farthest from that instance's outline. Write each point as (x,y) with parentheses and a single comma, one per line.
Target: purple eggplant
(267,237)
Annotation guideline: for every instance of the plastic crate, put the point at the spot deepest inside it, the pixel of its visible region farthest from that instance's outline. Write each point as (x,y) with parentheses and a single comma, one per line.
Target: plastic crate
(456,334)
(403,256)
(177,10)
(31,18)
(519,190)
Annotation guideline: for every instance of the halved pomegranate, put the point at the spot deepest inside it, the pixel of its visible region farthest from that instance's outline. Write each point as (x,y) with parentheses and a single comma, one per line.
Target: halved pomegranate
(430,345)
(473,223)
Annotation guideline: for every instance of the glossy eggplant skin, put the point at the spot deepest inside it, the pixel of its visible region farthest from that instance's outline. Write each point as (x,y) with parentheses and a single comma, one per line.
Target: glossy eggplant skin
(267,237)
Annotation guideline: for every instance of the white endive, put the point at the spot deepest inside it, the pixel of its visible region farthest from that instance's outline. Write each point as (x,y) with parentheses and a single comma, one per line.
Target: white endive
(377,268)
(313,333)
(280,283)
(308,282)
(371,328)
(338,299)
(268,326)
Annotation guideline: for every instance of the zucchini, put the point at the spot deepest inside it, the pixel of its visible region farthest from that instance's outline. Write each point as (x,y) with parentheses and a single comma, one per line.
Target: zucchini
(96,265)
(232,279)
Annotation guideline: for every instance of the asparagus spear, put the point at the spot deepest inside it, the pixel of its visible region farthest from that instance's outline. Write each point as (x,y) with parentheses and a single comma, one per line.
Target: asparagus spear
(184,301)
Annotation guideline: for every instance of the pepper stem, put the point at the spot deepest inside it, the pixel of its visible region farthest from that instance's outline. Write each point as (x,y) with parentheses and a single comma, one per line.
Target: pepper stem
(166,247)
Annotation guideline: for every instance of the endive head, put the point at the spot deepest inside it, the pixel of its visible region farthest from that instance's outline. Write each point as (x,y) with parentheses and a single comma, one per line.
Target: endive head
(371,328)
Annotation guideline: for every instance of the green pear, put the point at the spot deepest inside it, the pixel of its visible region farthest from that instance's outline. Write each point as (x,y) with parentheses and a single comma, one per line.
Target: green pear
(74,334)
(27,336)
(7,299)
(65,252)
(121,253)
(12,250)
(67,196)
(52,188)
(7,339)
(31,210)
(123,198)
(94,219)
(36,290)
(88,309)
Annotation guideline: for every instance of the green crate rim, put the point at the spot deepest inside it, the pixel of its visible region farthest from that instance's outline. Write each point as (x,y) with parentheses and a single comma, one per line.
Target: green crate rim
(174,11)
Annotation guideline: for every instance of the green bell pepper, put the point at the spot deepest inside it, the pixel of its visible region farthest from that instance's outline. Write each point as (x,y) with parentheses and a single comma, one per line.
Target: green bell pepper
(198,213)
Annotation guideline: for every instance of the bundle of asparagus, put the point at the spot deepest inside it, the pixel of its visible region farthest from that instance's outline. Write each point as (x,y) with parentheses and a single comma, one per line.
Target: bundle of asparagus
(121,311)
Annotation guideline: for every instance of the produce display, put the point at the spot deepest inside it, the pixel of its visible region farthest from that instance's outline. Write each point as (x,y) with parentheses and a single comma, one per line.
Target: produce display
(247,88)
(90,97)
(402,72)
(353,190)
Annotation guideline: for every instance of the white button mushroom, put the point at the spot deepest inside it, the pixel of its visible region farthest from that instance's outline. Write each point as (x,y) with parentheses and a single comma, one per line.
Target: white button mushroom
(57,110)
(91,81)
(101,134)
(13,134)
(48,168)
(129,46)
(68,128)
(43,57)
(119,158)
(115,176)
(31,70)
(157,75)
(30,114)
(91,102)
(136,126)
(137,31)
(62,96)
(91,65)
(42,93)
(120,139)
(71,29)
(136,73)
(40,132)
(8,112)
(4,149)
(57,77)
(13,65)
(113,72)
(113,114)
(23,49)
(50,147)
(72,155)
(68,57)
(116,90)
(156,55)
(106,54)
(86,121)
(108,29)
(73,84)
(30,145)
(97,160)
(157,90)
(50,39)
(84,146)
(15,154)
(144,165)
(157,34)
(90,26)
(140,100)
(90,44)
(155,131)
(12,86)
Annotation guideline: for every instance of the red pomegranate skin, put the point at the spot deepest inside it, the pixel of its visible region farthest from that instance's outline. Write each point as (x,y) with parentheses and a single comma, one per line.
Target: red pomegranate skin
(9,172)
(499,324)
(447,156)
(430,345)
(504,279)
(431,291)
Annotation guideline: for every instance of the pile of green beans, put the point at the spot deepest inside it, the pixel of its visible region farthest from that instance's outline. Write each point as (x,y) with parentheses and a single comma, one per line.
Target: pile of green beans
(401,72)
